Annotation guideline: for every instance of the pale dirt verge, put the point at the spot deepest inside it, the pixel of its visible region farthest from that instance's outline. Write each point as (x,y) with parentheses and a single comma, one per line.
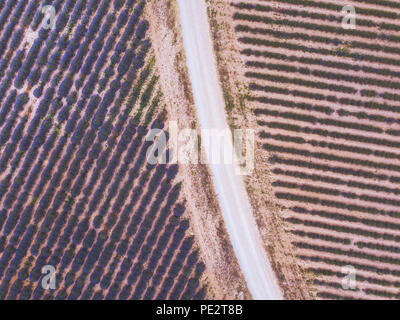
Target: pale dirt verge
(223,275)
(269,216)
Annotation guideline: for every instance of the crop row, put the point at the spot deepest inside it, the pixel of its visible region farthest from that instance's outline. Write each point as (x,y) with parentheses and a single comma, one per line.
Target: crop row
(351,253)
(327,133)
(321,62)
(337,204)
(331,157)
(334,192)
(321,51)
(324,74)
(333,169)
(338,8)
(330,146)
(343,229)
(361,278)
(338,31)
(316,16)
(335,181)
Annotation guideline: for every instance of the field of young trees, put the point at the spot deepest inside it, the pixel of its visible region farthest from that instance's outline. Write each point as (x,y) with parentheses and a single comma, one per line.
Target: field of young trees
(76,192)
(327,102)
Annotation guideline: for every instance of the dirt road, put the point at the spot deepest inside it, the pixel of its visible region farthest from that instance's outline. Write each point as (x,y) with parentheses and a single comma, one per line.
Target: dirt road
(229,186)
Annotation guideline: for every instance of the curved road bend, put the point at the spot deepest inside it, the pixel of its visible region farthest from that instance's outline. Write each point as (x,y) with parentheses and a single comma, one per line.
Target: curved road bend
(229,186)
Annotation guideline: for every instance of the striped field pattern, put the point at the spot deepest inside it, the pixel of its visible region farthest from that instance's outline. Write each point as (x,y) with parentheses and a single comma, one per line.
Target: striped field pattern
(327,101)
(76,191)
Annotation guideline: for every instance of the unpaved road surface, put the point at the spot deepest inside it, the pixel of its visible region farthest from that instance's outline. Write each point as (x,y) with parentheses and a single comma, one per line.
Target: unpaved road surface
(229,186)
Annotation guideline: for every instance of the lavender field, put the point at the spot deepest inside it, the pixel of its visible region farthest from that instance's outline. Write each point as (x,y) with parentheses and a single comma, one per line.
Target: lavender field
(78,96)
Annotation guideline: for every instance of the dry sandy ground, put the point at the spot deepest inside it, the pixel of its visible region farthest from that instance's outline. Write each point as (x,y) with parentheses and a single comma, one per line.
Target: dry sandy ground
(229,186)
(269,216)
(223,275)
